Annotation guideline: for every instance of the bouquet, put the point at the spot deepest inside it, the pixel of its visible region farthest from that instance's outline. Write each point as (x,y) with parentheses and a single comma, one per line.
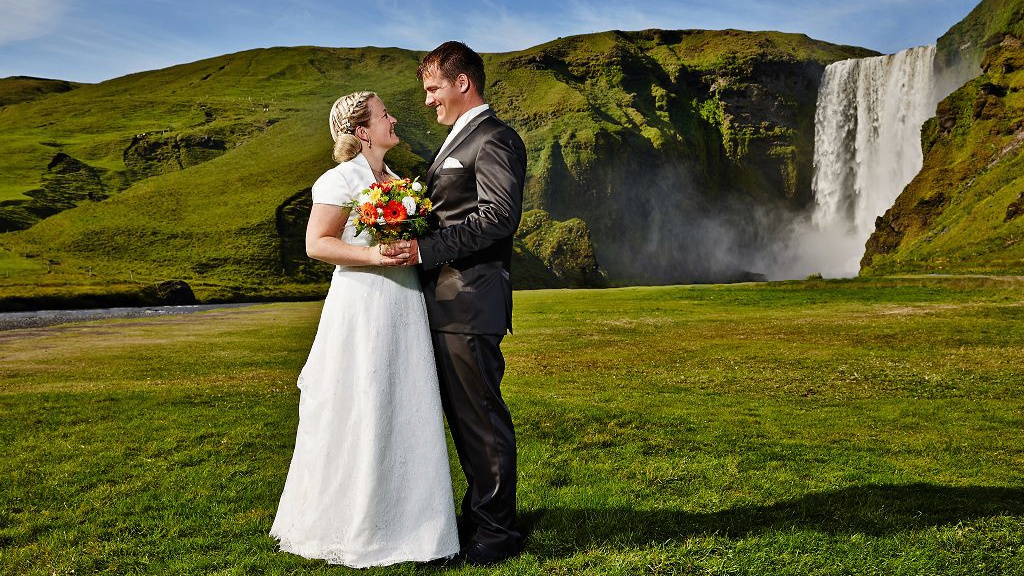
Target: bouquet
(393,210)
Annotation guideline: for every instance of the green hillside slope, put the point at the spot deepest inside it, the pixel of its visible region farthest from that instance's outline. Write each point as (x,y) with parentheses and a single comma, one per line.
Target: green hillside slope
(192,164)
(969,39)
(961,214)
(15,89)
(199,171)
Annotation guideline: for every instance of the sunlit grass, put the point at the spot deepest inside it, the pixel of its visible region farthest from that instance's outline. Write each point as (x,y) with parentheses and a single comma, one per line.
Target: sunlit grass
(855,427)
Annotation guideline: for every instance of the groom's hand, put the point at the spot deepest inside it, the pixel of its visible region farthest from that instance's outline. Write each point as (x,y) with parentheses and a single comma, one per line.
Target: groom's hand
(406,250)
(414,253)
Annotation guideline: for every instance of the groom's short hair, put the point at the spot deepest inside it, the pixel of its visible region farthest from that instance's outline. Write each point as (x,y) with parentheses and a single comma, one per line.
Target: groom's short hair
(451,59)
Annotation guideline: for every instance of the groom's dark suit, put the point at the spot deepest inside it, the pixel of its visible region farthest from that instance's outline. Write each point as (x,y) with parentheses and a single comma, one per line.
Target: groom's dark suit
(476,185)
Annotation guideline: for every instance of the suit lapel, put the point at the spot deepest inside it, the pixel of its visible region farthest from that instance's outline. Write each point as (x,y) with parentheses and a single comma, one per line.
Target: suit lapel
(462,135)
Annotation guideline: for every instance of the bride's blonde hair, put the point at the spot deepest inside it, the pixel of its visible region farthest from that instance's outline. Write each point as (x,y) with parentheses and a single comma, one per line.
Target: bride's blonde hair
(347,113)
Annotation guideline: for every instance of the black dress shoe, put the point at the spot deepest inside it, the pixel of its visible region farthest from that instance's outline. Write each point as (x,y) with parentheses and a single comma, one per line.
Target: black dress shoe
(482,555)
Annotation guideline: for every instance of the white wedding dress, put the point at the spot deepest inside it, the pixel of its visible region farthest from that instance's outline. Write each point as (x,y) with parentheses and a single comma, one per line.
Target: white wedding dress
(369,483)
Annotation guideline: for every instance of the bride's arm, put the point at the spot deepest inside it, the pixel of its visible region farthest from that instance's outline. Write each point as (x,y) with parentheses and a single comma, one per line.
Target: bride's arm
(322,242)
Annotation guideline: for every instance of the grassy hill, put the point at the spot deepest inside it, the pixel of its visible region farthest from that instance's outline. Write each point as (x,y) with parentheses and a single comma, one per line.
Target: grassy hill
(205,214)
(962,213)
(15,89)
(199,171)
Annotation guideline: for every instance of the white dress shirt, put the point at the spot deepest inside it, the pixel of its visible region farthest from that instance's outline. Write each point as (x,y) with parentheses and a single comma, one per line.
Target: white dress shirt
(461,122)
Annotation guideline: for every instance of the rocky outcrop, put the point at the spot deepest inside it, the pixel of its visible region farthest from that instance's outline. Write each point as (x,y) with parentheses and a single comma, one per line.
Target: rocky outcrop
(170,293)
(552,254)
(66,183)
(150,154)
(960,214)
(291,218)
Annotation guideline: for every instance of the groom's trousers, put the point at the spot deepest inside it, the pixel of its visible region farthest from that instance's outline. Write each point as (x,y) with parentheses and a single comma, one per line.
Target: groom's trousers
(470,368)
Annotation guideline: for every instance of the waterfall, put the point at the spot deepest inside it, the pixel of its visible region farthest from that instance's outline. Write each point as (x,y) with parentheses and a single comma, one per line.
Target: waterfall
(867,148)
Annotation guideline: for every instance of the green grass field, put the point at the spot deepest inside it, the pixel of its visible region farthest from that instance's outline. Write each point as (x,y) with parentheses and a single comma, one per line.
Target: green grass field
(829,427)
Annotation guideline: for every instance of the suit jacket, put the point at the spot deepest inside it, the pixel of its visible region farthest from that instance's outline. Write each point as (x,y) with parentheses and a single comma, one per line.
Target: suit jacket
(466,258)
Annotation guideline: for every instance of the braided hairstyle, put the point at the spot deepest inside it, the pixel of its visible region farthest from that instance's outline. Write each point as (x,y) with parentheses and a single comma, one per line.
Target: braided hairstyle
(348,113)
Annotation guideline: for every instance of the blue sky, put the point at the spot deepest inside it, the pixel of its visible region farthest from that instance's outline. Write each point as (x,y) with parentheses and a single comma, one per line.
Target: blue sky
(94,40)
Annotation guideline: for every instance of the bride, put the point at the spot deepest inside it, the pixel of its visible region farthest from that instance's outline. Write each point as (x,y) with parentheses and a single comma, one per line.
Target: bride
(369,483)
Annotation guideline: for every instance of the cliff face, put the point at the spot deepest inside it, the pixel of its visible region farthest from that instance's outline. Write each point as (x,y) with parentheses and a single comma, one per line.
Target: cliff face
(680,150)
(961,214)
(960,51)
(659,154)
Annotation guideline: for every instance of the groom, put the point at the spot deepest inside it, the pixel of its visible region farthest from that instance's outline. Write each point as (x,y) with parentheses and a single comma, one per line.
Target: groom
(476,185)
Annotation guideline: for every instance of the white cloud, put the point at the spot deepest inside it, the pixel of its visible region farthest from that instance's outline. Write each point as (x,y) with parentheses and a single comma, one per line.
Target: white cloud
(417,25)
(485,25)
(27,19)
(493,28)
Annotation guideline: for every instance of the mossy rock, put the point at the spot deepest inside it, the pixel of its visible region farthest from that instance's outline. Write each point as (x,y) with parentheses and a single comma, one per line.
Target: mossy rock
(564,250)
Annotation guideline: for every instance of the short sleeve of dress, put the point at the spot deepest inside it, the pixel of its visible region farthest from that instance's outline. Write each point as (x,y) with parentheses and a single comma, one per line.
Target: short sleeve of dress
(333,188)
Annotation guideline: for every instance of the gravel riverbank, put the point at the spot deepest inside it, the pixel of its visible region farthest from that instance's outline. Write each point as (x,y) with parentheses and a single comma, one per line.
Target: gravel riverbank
(42,318)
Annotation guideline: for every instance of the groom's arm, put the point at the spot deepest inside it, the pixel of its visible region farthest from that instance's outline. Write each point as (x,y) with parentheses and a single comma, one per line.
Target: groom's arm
(500,178)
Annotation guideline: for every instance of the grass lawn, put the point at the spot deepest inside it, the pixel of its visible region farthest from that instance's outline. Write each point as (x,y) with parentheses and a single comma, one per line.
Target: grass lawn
(829,427)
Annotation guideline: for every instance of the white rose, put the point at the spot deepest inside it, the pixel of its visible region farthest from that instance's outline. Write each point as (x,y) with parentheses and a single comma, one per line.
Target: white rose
(381,221)
(417,187)
(364,198)
(410,205)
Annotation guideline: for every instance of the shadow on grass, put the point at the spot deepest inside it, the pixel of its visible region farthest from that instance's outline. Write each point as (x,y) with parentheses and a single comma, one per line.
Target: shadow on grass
(874,510)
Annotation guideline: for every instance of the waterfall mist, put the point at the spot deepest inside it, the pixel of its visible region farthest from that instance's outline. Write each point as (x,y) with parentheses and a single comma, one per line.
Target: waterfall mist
(668,231)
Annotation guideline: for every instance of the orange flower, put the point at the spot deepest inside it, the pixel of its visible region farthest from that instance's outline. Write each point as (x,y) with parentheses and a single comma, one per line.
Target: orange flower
(368,214)
(394,212)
